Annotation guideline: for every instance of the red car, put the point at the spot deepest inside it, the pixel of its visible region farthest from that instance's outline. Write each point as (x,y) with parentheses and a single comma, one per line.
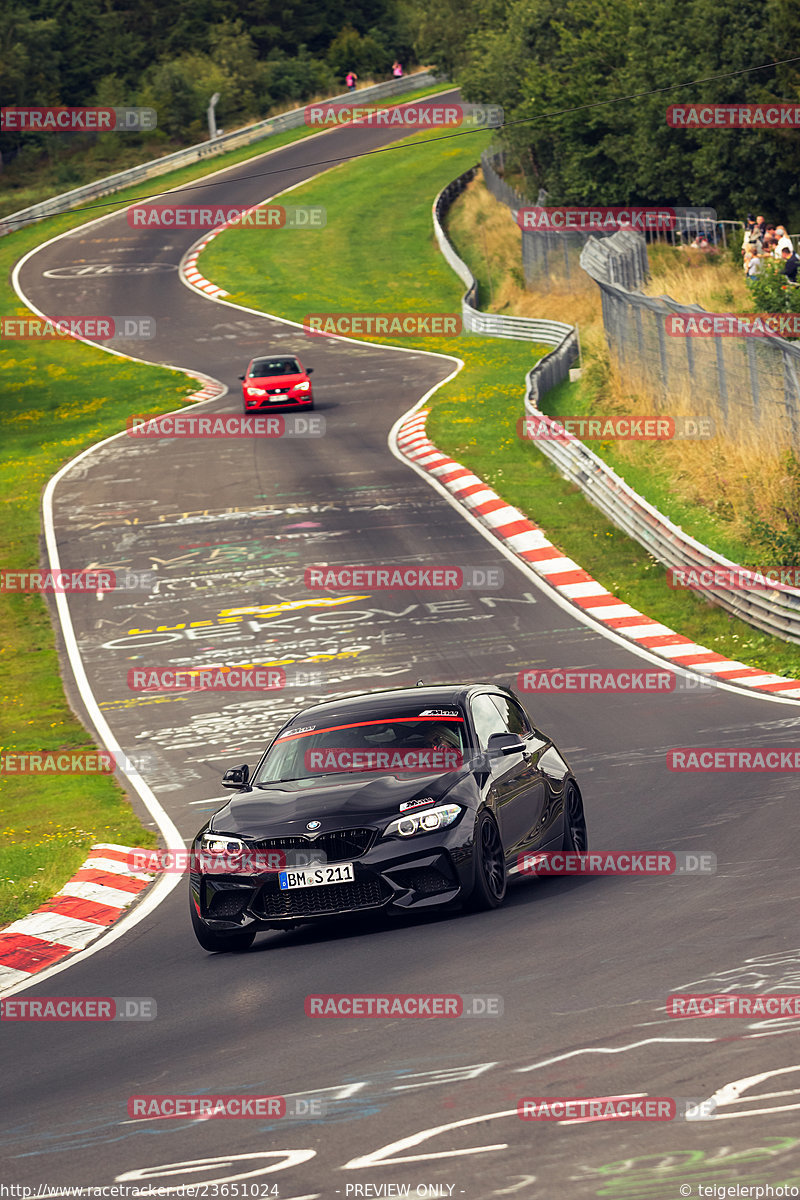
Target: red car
(279,382)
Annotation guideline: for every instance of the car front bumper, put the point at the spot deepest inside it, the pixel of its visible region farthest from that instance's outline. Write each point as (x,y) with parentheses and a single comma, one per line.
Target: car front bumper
(425,872)
(261,403)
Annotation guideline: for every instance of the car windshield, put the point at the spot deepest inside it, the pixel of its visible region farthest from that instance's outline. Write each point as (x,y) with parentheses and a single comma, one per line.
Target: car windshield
(274,366)
(419,739)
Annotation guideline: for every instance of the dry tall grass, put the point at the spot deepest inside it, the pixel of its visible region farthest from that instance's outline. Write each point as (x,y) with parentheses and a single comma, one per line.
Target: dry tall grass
(743,474)
(698,277)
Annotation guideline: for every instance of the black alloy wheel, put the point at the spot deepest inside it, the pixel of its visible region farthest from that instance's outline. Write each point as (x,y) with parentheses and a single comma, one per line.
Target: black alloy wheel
(576,839)
(490,885)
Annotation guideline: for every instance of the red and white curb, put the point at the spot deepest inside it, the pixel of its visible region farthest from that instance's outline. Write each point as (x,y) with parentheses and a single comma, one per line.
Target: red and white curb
(531,545)
(188,267)
(209,391)
(192,275)
(94,898)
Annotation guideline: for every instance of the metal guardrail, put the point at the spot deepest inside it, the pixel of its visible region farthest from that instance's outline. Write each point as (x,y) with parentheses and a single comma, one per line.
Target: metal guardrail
(526,329)
(539,247)
(182,158)
(621,259)
(774,610)
(752,384)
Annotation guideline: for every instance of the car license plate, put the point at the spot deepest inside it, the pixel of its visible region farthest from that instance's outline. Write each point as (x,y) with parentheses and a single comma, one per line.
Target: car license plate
(316,876)
(279,396)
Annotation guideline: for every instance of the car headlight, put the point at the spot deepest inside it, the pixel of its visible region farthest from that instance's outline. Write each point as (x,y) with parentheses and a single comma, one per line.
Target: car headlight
(254,391)
(221,843)
(423,822)
(302,387)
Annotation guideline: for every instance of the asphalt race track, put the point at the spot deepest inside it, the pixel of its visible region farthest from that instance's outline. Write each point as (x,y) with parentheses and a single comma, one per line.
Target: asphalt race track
(584,966)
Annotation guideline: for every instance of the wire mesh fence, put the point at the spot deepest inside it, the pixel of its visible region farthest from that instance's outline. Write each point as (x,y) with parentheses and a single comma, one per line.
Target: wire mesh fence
(745,382)
(748,384)
(553,257)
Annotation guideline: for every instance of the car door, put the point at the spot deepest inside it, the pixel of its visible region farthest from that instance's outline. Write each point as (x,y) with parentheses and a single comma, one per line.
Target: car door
(540,811)
(517,787)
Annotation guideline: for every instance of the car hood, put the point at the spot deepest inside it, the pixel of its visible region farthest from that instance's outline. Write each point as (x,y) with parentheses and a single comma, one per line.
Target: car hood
(278,381)
(337,802)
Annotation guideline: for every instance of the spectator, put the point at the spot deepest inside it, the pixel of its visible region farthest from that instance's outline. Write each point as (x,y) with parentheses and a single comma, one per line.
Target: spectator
(790,264)
(351,79)
(752,241)
(784,241)
(752,265)
(760,227)
(397,69)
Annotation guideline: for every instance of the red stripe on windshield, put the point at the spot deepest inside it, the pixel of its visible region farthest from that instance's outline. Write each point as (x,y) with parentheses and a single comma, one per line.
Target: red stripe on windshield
(289,737)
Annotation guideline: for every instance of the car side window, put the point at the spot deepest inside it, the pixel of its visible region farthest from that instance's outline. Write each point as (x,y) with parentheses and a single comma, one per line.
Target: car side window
(514,719)
(487,719)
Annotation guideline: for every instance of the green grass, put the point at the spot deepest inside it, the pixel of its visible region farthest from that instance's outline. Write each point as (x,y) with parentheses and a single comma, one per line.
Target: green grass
(648,471)
(648,474)
(473,417)
(487,443)
(67,173)
(339,270)
(57,398)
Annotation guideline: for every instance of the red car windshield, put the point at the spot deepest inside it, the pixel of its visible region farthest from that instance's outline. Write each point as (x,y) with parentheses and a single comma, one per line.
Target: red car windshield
(274,366)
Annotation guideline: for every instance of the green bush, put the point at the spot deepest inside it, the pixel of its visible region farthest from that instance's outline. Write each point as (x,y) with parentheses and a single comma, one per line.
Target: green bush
(771,290)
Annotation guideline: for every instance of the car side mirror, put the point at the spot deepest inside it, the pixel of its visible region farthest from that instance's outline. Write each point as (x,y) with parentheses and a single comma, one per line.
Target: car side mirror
(505,743)
(241,376)
(309,370)
(236,777)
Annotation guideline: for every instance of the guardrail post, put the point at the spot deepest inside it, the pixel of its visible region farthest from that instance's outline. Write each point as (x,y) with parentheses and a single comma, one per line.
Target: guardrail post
(753,369)
(722,383)
(662,350)
(791,391)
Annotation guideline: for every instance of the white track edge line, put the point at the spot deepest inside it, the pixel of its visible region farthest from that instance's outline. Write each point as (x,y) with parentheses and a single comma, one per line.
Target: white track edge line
(549,589)
(167,828)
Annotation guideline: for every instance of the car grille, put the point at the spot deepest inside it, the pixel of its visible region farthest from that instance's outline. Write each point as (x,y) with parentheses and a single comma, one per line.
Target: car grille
(317,901)
(280,390)
(341,845)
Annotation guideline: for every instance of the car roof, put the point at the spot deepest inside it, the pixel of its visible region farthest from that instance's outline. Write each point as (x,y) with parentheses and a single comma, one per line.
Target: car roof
(278,354)
(358,704)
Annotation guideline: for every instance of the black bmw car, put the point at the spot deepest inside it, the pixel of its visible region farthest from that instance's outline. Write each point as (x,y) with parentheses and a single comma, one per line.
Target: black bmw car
(414,798)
